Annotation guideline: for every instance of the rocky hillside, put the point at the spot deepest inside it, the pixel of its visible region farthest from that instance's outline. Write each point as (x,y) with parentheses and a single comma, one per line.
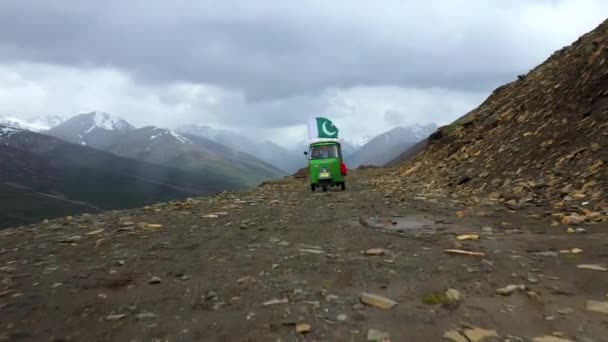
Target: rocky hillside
(542,137)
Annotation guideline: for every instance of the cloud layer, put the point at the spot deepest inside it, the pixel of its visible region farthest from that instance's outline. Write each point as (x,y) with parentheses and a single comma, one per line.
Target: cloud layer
(265,65)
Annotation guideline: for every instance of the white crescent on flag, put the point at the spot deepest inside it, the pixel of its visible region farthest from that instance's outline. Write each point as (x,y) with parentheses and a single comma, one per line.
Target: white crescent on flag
(326,131)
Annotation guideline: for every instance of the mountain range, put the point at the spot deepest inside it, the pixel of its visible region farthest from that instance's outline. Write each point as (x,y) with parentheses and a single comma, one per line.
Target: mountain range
(165,147)
(44,177)
(386,147)
(97,161)
(288,160)
(36,124)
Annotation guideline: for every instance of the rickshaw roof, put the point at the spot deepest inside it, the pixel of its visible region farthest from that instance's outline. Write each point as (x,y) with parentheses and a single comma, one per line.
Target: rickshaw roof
(318,142)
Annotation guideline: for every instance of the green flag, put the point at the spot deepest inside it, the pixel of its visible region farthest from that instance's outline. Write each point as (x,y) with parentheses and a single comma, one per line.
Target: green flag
(322,128)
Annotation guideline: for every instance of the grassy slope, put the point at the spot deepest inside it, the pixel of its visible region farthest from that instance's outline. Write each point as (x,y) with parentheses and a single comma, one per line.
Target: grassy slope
(83,174)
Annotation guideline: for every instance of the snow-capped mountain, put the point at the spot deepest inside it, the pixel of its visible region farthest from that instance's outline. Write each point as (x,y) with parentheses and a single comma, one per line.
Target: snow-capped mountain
(7,131)
(95,129)
(359,142)
(46,122)
(36,124)
(221,136)
(108,122)
(387,146)
(160,132)
(162,146)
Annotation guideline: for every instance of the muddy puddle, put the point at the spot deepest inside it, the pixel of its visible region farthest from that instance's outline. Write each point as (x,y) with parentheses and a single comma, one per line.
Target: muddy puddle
(402,224)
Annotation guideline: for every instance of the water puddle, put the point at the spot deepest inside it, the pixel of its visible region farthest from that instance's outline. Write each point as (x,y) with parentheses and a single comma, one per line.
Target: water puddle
(410,223)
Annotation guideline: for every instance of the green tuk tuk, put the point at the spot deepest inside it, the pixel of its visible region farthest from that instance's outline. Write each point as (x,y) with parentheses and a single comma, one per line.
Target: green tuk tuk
(325,166)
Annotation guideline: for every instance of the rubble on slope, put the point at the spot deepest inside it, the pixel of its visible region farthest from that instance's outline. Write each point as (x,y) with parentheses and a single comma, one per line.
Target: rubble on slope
(538,140)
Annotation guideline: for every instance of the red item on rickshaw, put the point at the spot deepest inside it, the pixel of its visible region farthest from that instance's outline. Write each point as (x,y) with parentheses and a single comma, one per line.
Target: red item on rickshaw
(343,169)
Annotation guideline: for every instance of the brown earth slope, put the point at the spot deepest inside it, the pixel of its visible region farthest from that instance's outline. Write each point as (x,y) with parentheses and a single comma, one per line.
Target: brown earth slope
(542,137)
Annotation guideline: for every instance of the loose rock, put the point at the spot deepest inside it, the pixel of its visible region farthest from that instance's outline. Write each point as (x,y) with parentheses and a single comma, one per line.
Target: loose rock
(303,328)
(276,301)
(453,296)
(146,315)
(376,335)
(550,339)
(593,267)
(478,334)
(597,306)
(377,301)
(454,336)
(375,252)
(468,237)
(507,290)
(154,280)
(463,252)
(115,317)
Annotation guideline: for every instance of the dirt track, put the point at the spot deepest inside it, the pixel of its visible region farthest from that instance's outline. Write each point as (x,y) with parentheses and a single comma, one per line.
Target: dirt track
(257,266)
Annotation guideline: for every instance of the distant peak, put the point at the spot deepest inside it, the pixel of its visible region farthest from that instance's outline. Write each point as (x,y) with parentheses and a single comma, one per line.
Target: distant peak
(38,124)
(8,130)
(108,122)
(159,132)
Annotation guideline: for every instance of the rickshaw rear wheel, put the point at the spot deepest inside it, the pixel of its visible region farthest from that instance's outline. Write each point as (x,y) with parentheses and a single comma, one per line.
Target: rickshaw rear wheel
(343,186)
(313,187)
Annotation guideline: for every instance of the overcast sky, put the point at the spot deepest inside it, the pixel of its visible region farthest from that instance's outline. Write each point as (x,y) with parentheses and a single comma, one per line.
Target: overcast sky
(264,67)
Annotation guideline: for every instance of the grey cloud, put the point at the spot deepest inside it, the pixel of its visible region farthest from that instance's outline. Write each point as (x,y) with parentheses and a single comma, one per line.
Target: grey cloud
(276,49)
(393,118)
(260,66)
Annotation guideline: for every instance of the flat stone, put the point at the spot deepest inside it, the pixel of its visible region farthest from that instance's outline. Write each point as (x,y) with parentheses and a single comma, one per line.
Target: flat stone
(453,296)
(95,232)
(311,251)
(550,339)
(375,252)
(154,280)
(463,252)
(597,306)
(454,336)
(468,237)
(247,279)
(593,267)
(547,253)
(507,290)
(377,301)
(276,301)
(303,328)
(146,315)
(115,317)
(565,311)
(70,239)
(478,334)
(377,335)
(487,230)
